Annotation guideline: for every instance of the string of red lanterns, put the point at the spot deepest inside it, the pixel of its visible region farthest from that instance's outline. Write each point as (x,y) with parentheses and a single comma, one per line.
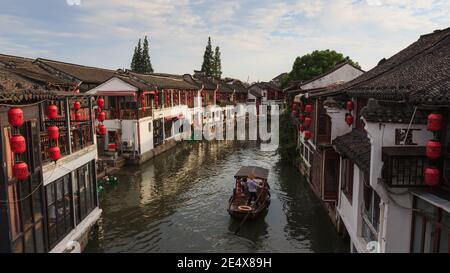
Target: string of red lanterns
(433,150)
(348,116)
(18,144)
(307,120)
(53,133)
(101,116)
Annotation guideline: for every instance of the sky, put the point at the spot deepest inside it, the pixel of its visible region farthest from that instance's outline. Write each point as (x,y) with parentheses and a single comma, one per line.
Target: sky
(258,39)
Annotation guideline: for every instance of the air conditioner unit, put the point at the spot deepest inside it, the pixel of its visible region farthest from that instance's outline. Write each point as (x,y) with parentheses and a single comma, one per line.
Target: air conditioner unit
(127,144)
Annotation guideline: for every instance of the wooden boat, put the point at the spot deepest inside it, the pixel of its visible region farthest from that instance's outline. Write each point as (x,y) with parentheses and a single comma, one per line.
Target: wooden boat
(237,206)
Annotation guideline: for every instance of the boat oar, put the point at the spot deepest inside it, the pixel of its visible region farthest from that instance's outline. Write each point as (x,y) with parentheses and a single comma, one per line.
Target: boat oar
(248,213)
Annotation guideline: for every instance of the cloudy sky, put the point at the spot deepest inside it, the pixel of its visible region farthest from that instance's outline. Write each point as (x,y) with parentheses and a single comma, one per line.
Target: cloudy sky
(258,38)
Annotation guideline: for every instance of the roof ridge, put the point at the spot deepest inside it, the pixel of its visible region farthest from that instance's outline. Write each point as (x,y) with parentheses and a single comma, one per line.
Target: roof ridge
(80,65)
(413,57)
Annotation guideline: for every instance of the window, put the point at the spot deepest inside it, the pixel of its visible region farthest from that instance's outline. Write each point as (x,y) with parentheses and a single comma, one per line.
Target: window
(84,191)
(431,228)
(25,210)
(371,212)
(59,209)
(150,126)
(347,179)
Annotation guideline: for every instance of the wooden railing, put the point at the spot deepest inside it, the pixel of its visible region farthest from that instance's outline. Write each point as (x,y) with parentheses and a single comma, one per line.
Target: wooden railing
(81,135)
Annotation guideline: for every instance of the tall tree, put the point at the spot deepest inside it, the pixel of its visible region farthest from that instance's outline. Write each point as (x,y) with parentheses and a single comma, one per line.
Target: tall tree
(138,62)
(217,63)
(134,60)
(314,64)
(146,62)
(207,66)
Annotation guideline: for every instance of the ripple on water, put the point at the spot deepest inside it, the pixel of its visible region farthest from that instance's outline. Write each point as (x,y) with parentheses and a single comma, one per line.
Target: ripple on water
(177,203)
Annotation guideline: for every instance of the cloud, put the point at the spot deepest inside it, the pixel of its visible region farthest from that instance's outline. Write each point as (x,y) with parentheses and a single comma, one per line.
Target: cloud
(258,38)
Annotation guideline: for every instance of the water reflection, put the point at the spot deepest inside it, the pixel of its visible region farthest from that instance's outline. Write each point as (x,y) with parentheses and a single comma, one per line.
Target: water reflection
(177,203)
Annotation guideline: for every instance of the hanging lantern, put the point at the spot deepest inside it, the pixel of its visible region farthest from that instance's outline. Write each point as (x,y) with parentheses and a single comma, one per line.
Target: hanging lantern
(53,132)
(18,144)
(102,130)
(100,102)
(54,153)
(142,109)
(294,106)
(77,106)
(431,176)
(15,117)
(308,121)
(308,108)
(349,105)
(434,122)
(349,119)
(52,111)
(433,149)
(102,116)
(307,134)
(78,116)
(302,128)
(294,113)
(302,117)
(20,171)
(98,110)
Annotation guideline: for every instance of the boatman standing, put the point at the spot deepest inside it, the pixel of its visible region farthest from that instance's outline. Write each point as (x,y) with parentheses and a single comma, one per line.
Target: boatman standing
(252,187)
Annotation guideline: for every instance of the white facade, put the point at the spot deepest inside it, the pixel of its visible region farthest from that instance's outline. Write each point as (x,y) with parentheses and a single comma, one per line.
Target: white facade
(343,74)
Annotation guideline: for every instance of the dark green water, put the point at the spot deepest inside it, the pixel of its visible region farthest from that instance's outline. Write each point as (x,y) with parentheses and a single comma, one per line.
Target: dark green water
(177,203)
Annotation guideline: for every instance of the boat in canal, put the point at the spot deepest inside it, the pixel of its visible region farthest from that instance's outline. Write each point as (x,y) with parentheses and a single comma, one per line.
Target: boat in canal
(238,207)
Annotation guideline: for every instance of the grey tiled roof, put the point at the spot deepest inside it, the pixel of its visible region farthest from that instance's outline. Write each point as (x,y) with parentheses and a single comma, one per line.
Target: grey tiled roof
(355,146)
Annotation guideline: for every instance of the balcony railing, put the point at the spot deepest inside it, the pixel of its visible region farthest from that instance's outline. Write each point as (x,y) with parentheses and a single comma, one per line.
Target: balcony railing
(81,135)
(63,144)
(404,166)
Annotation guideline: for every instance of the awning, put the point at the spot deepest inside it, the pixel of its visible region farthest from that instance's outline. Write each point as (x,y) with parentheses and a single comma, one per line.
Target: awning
(116,93)
(258,172)
(150,92)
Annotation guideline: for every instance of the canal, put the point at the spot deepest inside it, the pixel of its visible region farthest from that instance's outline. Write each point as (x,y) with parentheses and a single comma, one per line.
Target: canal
(177,203)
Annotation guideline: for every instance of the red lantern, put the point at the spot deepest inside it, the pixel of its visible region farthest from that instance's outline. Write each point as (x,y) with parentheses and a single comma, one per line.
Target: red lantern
(20,171)
(98,110)
(349,105)
(307,134)
(55,153)
(431,176)
(294,113)
(52,111)
(15,117)
(142,109)
(294,106)
(102,116)
(78,116)
(100,102)
(143,103)
(18,144)
(302,128)
(102,130)
(433,149)
(308,121)
(349,119)
(302,117)
(53,132)
(77,106)
(434,122)
(308,108)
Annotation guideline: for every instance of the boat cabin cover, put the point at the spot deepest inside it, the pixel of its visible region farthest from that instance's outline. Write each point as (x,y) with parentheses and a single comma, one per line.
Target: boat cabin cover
(246,171)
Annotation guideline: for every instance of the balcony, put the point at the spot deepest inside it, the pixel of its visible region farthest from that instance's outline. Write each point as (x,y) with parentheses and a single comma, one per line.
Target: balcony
(404,166)
(74,135)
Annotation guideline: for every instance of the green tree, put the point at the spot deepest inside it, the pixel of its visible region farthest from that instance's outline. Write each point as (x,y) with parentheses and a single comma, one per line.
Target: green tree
(314,64)
(146,62)
(207,66)
(137,61)
(217,64)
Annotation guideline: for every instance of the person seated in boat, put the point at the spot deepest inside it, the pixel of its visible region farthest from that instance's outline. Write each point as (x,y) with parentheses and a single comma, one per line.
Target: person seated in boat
(244,185)
(252,186)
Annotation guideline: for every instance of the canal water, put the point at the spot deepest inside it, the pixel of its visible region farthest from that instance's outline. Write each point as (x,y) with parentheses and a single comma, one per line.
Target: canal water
(177,203)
